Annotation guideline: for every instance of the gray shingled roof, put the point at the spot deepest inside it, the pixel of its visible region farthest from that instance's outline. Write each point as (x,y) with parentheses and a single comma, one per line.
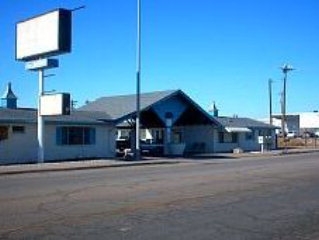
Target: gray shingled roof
(17,115)
(80,117)
(30,116)
(242,122)
(121,106)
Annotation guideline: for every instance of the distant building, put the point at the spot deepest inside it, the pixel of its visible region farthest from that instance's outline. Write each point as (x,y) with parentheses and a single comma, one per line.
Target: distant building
(299,122)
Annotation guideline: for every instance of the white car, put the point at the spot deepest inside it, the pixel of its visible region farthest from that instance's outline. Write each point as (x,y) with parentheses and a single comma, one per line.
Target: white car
(291,135)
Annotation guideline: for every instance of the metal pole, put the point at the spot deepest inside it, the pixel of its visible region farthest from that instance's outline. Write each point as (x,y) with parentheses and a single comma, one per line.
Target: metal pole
(283,123)
(138,80)
(40,119)
(270,101)
(268,142)
(286,68)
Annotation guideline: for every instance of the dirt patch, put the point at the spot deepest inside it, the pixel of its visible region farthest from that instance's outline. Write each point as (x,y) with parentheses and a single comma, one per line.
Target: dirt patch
(299,142)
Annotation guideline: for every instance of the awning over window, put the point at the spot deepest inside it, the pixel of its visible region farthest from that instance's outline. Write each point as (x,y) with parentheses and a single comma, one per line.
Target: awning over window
(237,129)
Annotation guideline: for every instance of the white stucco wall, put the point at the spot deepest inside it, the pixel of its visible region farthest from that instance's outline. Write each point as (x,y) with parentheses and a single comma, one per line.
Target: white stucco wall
(23,147)
(199,134)
(223,147)
(104,146)
(209,135)
(243,143)
(19,147)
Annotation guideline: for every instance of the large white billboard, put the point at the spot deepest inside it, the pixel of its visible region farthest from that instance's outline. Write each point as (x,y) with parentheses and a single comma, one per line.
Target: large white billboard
(43,36)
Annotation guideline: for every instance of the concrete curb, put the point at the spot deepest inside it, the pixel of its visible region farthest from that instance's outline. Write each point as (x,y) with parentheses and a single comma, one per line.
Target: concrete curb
(37,169)
(275,153)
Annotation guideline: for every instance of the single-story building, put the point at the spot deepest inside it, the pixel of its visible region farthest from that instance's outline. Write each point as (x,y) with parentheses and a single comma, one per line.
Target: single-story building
(78,135)
(171,124)
(171,120)
(244,133)
(171,117)
(75,136)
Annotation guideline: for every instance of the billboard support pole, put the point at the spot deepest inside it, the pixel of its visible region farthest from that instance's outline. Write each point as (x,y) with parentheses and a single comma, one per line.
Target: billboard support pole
(40,65)
(40,118)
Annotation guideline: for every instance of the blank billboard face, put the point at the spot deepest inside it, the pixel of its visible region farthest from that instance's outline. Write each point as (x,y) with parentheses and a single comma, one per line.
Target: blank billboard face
(44,36)
(55,104)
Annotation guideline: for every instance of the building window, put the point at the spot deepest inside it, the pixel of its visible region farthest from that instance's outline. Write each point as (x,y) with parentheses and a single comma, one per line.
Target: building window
(157,135)
(4,132)
(123,134)
(177,137)
(250,135)
(142,133)
(18,129)
(225,137)
(75,136)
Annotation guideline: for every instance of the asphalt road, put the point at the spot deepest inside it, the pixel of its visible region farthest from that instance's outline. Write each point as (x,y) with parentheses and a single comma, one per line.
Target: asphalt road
(276,198)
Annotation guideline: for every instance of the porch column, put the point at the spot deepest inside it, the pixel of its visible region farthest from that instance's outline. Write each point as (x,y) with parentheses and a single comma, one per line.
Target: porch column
(132,138)
(168,132)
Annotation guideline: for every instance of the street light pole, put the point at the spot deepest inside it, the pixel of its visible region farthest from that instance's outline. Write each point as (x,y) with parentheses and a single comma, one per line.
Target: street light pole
(270,100)
(285,69)
(138,83)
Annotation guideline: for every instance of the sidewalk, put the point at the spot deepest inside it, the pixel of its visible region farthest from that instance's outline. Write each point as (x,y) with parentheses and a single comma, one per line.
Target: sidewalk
(111,163)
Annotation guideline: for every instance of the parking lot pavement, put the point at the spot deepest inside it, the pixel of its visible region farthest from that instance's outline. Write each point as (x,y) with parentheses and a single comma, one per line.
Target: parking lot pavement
(108,163)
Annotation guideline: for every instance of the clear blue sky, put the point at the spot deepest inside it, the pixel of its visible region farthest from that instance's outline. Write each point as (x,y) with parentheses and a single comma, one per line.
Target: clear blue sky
(223,51)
